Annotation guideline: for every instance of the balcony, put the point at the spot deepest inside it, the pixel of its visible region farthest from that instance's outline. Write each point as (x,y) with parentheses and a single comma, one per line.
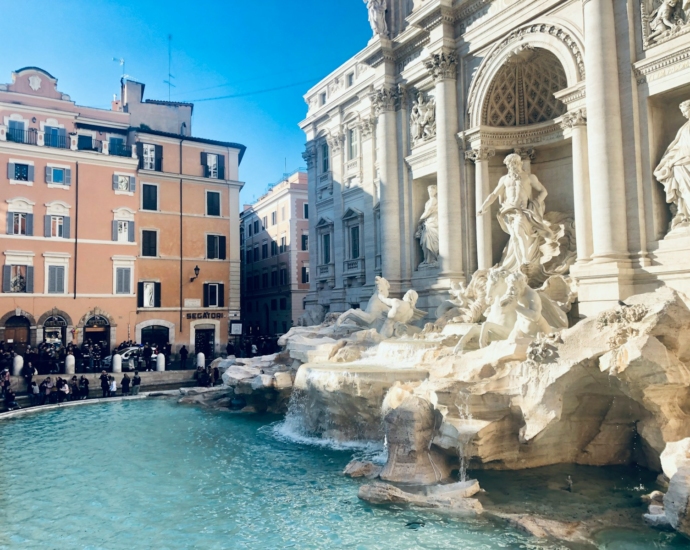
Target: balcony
(119,150)
(57,142)
(353,268)
(22,136)
(326,271)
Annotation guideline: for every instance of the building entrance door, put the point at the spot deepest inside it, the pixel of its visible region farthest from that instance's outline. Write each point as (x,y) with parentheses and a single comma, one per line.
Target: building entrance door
(97,329)
(18,333)
(155,336)
(204,342)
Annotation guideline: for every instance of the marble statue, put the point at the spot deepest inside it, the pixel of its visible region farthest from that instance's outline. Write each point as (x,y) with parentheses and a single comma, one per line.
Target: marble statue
(377,17)
(401,314)
(375,312)
(423,119)
(674,172)
(662,19)
(515,311)
(427,232)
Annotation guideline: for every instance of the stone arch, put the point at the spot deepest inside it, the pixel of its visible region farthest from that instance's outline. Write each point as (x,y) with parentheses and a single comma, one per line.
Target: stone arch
(93,312)
(17,313)
(55,312)
(565,44)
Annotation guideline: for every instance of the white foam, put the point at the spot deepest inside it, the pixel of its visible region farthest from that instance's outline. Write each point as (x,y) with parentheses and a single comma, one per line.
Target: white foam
(291,431)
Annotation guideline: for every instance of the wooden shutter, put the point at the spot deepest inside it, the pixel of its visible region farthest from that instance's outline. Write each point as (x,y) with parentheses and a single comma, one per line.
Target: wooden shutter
(222,244)
(210,248)
(6,278)
(130,230)
(10,170)
(204,164)
(126,280)
(140,154)
(118,280)
(68,176)
(47,222)
(132,184)
(10,223)
(221,167)
(30,225)
(30,280)
(115,180)
(66,226)
(140,294)
(49,174)
(159,158)
(32,172)
(205,295)
(60,284)
(52,279)
(221,295)
(115,230)
(157,295)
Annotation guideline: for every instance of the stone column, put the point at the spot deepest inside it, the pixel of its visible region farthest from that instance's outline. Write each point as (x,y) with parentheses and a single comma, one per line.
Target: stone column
(310,156)
(606,166)
(443,67)
(384,101)
(481,156)
(577,122)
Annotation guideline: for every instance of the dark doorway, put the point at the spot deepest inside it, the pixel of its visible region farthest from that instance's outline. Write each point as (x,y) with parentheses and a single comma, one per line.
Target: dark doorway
(97,329)
(55,330)
(204,342)
(155,336)
(18,333)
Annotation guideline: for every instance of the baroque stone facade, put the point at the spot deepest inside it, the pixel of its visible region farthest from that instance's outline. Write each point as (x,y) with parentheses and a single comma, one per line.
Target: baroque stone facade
(447,92)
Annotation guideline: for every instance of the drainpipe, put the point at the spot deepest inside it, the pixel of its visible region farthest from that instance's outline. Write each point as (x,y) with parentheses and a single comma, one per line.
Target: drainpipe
(76,227)
(181,248)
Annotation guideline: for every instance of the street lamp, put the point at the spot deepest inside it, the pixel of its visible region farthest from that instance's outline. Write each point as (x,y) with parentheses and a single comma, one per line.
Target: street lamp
(196,274)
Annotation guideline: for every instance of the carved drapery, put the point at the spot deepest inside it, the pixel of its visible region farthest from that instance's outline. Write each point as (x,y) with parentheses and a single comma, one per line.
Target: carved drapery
(423,119)
(662,21)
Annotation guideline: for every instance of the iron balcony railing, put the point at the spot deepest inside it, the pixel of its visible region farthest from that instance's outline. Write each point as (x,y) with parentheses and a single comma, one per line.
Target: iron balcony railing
(58,142)
(119,150)
(22,136)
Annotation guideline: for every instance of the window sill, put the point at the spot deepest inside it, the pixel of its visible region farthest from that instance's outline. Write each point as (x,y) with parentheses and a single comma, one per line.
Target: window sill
(58,186)
(18,182)
(125,193)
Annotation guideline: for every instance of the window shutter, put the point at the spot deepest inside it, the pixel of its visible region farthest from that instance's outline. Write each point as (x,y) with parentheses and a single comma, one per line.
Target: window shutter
(204,163)
(221,167)
(127,276)
(140,294)
(30,280)
(140,154)
(132,184)
(66,223)
(60,285)
(222,244)
(47,220)
(221,295)
(68,176)
(30,225)
(159,158)
(6,278)
(130,229)
(157,295)
(115,230)
(49,174)
(52,279)
(205,295)
(210,252)
(32,172)
(10,223)
(10,170)
(114,182)
(118,280)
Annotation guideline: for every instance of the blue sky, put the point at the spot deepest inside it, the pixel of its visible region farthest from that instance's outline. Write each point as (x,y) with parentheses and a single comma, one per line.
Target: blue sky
(220,48)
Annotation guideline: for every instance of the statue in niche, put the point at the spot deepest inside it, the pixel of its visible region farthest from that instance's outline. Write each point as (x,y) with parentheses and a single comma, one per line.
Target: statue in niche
(540,245)
(427,232)
(377,17)
(674,172)
(423,119)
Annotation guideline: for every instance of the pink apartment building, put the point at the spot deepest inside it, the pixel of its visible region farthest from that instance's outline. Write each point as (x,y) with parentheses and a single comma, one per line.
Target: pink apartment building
(274,236)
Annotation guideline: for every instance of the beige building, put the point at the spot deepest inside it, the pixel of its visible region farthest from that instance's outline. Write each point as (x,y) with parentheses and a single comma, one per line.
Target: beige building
(274,233)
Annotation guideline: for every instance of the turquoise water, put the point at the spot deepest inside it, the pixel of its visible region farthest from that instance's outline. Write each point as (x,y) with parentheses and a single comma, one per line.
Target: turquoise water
(153,474)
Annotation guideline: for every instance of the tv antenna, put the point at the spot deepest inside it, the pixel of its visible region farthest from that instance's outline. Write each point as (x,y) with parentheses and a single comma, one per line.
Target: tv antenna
(170,76)
(121,61)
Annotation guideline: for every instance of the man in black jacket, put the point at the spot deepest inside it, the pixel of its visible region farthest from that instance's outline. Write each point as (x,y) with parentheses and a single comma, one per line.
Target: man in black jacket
(105,384)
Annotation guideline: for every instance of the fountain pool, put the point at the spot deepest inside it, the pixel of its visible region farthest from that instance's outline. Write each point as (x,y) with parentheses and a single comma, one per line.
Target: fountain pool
(153,474)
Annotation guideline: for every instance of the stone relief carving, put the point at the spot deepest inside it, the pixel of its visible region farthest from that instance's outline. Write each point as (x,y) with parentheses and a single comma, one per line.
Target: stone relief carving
(662,20)
(673,173)
(377,17)
(539,246)
(35,82)
(427,231)
(423,119)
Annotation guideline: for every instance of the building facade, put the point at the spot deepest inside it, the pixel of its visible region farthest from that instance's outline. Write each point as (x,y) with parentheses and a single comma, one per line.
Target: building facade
(106,222)
(585,91)
(275,257)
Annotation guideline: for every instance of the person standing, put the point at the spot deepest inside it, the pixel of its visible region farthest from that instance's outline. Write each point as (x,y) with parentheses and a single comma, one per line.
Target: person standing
(105,384)
(84,387)
(113,387)
(136,382)
(183,357)
(148,352)
(126,380)
(34,394)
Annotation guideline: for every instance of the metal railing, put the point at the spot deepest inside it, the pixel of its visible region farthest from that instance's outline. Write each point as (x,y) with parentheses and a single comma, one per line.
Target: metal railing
(58,142)
(119,150)
(22,136)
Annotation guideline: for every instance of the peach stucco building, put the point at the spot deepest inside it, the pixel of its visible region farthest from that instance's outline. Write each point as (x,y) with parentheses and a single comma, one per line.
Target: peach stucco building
(275,257)
(104,222)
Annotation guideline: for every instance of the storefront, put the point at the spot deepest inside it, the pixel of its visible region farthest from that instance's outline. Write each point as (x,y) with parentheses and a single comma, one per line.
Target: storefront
(55,330)
(97,330)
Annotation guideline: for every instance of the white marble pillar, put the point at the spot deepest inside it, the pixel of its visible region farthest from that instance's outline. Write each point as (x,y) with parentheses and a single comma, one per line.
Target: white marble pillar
(606,166)
(481,157)
(443,68)
(310,156)
(384,101)
(577,122)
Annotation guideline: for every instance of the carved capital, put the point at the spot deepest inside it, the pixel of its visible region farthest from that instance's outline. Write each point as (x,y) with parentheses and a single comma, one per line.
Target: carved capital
(385,99)
(525,154)
(575,118)
(367,127)
(336,141)
(480,154)
(309,155)
(442,65)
